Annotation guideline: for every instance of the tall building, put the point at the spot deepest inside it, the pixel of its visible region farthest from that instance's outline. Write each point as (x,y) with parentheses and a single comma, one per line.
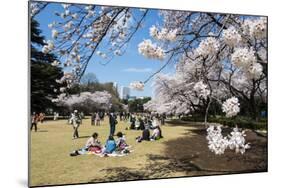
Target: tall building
(124,92)
(115,85)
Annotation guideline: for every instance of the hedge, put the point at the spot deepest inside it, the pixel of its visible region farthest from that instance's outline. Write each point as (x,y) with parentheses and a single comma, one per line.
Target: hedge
(242,122)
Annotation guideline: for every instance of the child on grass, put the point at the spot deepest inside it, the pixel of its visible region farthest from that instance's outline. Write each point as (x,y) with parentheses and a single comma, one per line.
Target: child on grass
(110,145)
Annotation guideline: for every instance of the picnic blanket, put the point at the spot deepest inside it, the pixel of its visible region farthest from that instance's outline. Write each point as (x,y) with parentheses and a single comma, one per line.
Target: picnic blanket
(99,152)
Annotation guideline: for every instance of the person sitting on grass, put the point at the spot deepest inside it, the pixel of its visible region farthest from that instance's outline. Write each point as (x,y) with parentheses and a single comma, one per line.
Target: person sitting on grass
(110,145)
(145,135)
(155,123)
(142,126)
(156,134)
(137,123)
(92,145)
(121,143)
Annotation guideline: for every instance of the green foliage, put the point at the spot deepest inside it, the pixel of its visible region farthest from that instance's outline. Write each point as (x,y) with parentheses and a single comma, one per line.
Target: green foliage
(137,104)
(240,121)
(43,74)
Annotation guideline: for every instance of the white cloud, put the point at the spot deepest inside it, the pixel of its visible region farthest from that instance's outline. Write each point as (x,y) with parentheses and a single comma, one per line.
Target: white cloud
(137,70)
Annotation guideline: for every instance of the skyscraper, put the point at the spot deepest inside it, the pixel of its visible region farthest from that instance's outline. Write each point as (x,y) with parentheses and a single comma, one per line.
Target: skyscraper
(115,85)
(125,92)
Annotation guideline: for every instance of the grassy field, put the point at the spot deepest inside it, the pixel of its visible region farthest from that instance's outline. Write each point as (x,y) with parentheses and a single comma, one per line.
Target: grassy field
(182,152)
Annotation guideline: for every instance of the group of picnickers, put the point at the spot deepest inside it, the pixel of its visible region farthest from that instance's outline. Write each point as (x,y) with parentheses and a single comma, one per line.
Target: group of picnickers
(94,146)
(147,123)
(150,126)
(139,121)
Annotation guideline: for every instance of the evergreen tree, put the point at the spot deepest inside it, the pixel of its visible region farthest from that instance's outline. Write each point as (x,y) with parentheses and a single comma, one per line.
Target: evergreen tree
(43,74)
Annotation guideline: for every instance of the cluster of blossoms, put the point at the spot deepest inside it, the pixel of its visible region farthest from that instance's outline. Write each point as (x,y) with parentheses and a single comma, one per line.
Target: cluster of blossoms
(255,71)
(218,143)
(55,33)
(231,107)
(231,36)
(163,34)
(137,85)
(55,63)
(237,141)
(255,27)
(245,59)
(67,78)
(59,98)
(150,50)
(201,89)
(48,47)
(34,8)
(101,54)
(208,46)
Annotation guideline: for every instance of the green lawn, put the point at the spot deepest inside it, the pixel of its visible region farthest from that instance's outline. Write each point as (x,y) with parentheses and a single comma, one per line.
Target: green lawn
(182,152)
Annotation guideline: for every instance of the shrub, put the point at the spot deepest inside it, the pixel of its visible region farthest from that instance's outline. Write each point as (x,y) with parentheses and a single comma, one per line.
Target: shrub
(242,122)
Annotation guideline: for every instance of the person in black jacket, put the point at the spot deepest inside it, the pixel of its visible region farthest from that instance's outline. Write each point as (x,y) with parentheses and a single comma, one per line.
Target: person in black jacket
(112,123)
(145,135)
(142,127)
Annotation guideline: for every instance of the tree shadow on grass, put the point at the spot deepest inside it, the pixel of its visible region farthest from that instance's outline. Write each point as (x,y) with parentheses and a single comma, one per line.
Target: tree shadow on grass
(188,155)
(42,131)
(81,137)
(193,143)
(121,174)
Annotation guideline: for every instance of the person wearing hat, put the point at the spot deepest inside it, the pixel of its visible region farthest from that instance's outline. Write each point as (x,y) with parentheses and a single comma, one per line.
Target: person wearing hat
(76,124)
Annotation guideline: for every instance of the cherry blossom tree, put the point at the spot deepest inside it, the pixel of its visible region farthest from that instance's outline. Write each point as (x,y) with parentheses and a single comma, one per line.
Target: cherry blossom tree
(82,31)
(217,56)
(99,100)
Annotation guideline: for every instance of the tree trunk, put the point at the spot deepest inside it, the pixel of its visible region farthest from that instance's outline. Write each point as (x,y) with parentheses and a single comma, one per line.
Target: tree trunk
(206,112)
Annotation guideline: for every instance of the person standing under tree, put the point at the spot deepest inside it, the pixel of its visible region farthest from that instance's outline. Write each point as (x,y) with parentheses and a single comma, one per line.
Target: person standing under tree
(34,121)
(93,118)
(162,119)
(76,123)
(112,123)
(97,119)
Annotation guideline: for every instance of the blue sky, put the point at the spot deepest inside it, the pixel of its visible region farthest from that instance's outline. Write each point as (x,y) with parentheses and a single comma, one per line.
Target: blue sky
(122,69)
